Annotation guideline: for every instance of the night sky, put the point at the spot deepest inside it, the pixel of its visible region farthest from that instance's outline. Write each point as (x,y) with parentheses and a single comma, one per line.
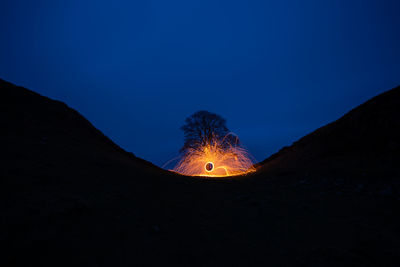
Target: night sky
(276,70)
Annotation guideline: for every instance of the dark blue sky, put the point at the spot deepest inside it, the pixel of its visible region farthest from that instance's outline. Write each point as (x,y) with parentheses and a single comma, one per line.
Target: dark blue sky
(276,70)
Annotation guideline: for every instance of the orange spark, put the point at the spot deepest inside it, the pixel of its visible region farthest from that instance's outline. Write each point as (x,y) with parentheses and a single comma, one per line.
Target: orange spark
(215,160)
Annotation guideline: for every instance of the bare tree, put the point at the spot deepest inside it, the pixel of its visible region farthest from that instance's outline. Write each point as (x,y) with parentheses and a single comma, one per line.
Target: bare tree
(205,128)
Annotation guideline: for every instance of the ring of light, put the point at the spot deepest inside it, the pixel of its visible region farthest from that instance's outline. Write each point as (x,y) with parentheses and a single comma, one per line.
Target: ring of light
(205,166)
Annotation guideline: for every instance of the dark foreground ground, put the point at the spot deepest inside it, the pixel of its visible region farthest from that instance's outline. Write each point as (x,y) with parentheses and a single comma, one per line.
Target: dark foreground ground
(71,197)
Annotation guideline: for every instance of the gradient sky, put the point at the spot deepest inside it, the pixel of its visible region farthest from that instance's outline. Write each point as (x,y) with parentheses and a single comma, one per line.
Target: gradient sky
(276,70)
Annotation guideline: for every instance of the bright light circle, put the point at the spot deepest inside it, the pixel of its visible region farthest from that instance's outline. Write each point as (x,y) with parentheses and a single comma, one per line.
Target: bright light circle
(209,166)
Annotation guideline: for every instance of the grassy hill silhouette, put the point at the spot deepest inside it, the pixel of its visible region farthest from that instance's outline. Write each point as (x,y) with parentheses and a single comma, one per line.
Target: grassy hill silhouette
(72,197)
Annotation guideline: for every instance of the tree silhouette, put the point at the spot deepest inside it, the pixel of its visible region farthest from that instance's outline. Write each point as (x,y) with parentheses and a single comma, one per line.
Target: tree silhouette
(205,128)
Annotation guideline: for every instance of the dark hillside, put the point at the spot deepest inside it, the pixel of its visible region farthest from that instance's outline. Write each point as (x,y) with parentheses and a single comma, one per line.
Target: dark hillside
(367,137)
(38,129)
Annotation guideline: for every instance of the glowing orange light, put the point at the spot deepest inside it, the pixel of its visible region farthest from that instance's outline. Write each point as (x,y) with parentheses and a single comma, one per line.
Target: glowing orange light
(215,160)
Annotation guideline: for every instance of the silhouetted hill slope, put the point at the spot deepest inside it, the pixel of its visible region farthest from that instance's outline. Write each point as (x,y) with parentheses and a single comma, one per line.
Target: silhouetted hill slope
(35,124)
(70,197)
(366,137)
